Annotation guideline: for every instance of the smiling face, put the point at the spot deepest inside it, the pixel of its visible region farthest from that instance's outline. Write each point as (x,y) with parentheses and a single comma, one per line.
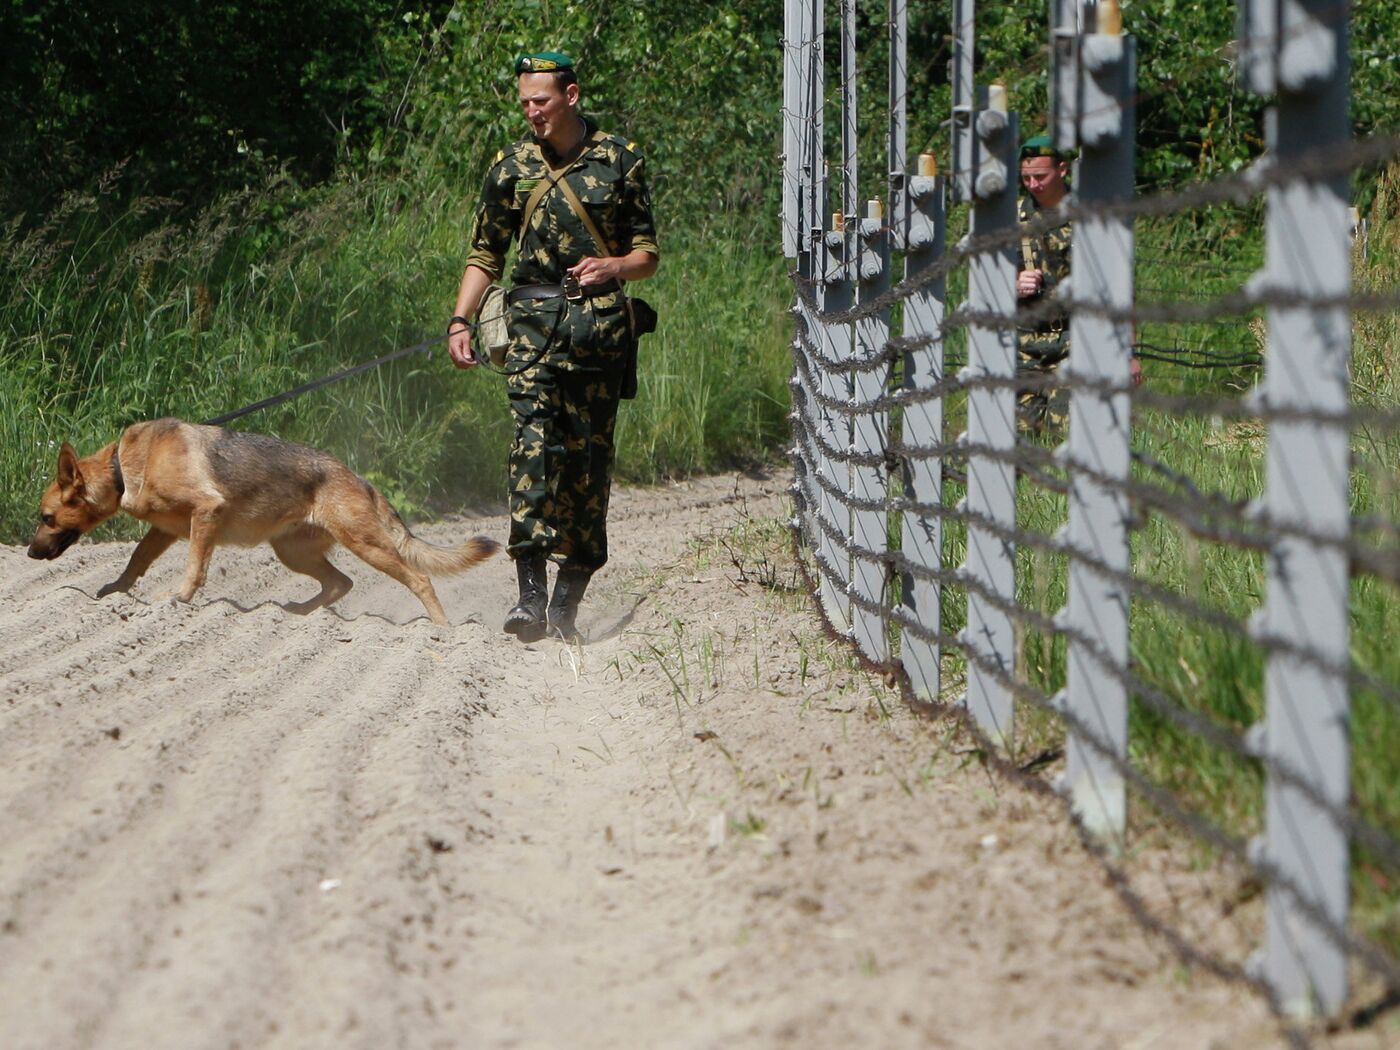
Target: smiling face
(549,108)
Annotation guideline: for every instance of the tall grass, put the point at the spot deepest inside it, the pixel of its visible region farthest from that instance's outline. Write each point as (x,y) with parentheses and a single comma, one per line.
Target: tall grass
(1207,670)
(112,313)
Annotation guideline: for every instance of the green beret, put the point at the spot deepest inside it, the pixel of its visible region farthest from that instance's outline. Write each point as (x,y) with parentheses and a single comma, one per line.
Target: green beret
(543,62)
(1040,146)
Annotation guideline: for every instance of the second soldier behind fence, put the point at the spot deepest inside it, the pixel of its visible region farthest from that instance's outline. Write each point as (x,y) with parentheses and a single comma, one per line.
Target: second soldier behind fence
(1043,335)
(574,202)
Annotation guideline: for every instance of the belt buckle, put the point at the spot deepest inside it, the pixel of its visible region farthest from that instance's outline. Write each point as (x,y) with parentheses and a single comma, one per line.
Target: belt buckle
(572,290)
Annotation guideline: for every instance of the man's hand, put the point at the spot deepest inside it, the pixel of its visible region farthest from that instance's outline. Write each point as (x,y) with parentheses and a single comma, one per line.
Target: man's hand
(1029,283)
(459,346)
(591,270)
(1135,372)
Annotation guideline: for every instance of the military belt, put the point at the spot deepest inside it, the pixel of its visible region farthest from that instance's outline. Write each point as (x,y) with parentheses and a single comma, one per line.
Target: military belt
(554,291)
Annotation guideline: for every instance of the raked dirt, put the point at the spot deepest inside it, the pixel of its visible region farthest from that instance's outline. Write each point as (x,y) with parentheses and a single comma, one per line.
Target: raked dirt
(223,825)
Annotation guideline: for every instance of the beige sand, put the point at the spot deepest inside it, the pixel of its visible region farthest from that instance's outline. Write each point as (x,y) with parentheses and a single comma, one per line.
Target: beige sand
(222,825)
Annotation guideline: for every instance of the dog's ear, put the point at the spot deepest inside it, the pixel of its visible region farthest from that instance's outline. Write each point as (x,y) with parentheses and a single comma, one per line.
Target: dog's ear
(70,475)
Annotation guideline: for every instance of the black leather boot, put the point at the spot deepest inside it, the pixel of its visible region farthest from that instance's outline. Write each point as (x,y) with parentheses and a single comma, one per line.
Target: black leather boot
(569,586)
(527,620)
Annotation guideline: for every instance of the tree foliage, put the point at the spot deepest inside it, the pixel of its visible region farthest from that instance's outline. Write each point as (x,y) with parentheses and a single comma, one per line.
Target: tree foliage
(210,95)
(195,97)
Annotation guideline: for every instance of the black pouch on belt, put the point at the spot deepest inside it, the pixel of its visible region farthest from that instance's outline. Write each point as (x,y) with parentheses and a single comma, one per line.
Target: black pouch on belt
(643,320)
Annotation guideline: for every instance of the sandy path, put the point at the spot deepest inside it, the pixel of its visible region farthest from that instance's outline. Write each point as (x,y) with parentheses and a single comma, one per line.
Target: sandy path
(227,826)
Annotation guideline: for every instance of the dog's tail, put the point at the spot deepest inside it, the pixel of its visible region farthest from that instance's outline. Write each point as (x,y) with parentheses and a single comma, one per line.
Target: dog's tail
(444,561)
(429,557)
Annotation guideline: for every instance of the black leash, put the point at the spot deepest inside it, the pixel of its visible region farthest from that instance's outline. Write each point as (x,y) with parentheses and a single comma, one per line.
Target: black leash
(484,361)
(316,384)
(354,370)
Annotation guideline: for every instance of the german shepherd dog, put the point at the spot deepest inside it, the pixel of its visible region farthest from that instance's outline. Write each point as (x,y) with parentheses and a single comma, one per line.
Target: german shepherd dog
(216,486)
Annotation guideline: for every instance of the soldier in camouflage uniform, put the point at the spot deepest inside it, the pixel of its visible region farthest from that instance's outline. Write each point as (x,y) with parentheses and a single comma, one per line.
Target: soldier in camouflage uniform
(569,325)
(1043,341)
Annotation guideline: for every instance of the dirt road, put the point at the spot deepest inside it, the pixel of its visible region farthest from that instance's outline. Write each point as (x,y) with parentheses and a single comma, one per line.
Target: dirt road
(227,826)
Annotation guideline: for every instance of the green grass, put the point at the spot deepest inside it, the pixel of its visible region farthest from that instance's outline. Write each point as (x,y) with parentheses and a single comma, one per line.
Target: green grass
(113,313)
(1206,670)
(1203,669)
(109,315)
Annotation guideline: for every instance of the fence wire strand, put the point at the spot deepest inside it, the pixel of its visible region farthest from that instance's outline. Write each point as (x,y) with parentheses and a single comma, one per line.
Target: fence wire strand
(854,475)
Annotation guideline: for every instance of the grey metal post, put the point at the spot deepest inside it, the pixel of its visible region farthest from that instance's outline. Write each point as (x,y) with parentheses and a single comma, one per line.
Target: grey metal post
(964,99)
(837,293)
(850,182)
(870,436)
(1100,114)
(1297,49)
(991,482)
(922,426)
(815,152)
(898,205)
(792,134)
(801,118)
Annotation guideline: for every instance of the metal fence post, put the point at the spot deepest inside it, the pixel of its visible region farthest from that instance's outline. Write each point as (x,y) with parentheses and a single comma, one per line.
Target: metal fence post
(921,425)
(1297,49)
(991,427)
(870,437)
(897,152)
(850,72)
(836,293)
(814,150)
(799,175)
(1100,116)
(964,98)
(792,130)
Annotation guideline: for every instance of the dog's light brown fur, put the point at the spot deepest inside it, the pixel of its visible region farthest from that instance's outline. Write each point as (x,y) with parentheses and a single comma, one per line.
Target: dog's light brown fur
(216,486)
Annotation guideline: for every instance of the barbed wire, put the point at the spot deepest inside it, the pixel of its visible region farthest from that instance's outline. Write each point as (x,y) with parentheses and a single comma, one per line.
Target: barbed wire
(1027,317)
(810,441)
(856,461)
(1372,957)
(1266,173)
(1251,527)
(1196,357)
(993,756)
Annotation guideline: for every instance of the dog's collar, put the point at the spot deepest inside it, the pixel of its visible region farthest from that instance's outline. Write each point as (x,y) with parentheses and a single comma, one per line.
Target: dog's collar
(117,479)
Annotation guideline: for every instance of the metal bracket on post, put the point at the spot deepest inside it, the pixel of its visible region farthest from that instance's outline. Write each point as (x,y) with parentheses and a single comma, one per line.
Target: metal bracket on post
(1297,49)
(1099,115)
(921,426)
(870,437)
(991,425)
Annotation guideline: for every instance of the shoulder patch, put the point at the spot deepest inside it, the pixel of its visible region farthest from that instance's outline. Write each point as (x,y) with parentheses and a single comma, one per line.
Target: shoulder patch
(625,145)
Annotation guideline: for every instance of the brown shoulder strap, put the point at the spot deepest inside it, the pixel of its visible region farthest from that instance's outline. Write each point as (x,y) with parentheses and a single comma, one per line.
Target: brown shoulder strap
(582,213)
(556,178)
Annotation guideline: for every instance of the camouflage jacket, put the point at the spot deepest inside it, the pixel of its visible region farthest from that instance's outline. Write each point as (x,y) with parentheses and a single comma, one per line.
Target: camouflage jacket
(609,177)
(1049,252)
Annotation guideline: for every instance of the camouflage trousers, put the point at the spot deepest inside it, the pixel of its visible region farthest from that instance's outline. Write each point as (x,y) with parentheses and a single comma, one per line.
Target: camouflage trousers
(1041,406)
(560,469)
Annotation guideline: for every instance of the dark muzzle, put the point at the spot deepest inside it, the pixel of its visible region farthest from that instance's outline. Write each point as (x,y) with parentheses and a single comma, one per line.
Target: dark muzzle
(51,547)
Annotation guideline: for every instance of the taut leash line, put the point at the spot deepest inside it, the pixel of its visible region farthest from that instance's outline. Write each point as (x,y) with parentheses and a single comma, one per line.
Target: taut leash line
(316,384)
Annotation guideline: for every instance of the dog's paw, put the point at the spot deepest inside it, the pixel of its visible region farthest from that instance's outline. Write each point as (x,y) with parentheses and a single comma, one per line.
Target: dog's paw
(115,587)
